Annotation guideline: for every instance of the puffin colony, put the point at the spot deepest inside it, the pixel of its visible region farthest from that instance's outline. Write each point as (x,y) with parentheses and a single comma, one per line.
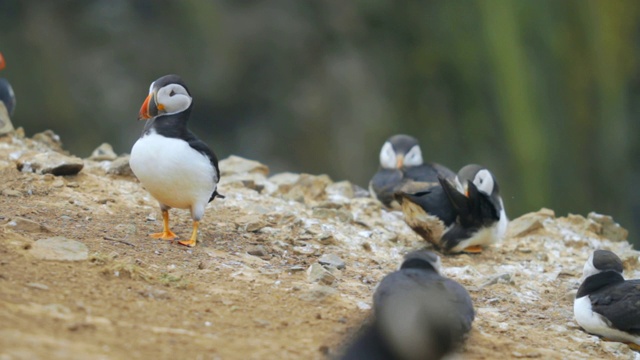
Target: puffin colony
(417,312)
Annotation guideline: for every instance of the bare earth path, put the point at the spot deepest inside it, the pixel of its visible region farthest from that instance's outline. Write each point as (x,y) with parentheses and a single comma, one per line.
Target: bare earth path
(135,297)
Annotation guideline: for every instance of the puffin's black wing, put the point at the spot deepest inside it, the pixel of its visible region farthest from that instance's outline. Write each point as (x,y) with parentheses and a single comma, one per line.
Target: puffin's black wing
(201,147)
(433,201)
(444,171)
(422,173)
(385,183)
(474,210)
(620,305)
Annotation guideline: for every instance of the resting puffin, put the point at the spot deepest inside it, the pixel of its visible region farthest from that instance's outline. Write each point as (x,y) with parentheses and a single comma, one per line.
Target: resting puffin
(401,160)
(177,169)
(7,96)
(470,208)
(419,314)
(606,304)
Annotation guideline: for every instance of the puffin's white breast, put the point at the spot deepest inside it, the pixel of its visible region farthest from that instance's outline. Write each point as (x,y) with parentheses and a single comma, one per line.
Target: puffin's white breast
(594,323)
(173,172)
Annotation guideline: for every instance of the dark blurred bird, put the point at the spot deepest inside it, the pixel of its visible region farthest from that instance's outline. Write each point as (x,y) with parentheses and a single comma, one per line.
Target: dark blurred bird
(177,169)
(7,96)
(401,160)
(470,208)
(419,314)
(606,304)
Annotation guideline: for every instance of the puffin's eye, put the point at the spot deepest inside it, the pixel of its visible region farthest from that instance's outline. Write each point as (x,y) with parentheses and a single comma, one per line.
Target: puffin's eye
(172,93)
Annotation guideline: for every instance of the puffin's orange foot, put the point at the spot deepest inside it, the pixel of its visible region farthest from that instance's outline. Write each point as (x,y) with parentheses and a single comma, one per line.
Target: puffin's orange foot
(165,235)
(473,249)
(634,346)
(189,243)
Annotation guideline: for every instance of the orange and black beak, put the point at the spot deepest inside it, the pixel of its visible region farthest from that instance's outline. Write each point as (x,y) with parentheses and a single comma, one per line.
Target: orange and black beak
(2,62)
(149,108)
(399,161)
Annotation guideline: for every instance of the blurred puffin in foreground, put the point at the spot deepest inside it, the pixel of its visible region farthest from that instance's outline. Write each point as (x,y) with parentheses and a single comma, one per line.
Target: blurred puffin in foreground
(7,96)
(177,169)
(469,207)
(418,314)
(606,304)
(400,161)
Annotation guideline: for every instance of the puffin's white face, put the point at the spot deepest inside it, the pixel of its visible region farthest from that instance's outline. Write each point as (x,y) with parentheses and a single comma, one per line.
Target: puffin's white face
(484,181)
(388,156)
(413,157)
(172,98)
(589,269)
(389,159)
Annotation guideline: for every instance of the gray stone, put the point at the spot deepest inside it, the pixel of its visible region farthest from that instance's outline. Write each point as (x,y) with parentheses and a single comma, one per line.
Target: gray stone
(317,273)
(120,166)
(50,162)
(50,139)
(284,179)
(103,152)
(238,165)
(332,260)
(26,225)
(308,188)
(318,293)
(340,190)
(610,229)
(258,251)
(38,286)
(60,249)
(505,278)
(11,193)
(154,293)
(529,223)
(250,223)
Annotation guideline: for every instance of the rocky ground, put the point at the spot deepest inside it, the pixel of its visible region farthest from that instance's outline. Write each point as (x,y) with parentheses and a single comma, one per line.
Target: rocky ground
(285,267)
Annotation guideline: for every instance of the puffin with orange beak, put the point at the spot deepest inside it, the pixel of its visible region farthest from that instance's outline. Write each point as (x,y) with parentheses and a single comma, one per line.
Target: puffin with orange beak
(401,161)
(7,96)
(178,169)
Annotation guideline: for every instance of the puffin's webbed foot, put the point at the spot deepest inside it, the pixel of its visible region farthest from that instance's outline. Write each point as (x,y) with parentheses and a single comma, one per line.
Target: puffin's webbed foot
(473,249)
(194,235)
(166,233)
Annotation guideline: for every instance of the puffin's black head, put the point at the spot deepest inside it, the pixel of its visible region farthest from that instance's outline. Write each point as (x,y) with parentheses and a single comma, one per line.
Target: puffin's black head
(602,260)
(400,151)
(167,95)
(480,176)
(422,259)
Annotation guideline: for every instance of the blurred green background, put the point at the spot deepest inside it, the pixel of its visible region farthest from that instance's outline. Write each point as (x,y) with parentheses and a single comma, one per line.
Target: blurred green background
(543,92)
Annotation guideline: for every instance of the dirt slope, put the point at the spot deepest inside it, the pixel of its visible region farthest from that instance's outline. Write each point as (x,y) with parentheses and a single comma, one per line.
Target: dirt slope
(135,297)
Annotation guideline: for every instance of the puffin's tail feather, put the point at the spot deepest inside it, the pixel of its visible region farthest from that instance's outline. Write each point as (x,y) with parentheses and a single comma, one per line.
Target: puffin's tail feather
(215,195)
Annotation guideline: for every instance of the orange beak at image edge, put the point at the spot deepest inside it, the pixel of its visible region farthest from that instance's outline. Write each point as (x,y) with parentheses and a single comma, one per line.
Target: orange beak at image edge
(144,110)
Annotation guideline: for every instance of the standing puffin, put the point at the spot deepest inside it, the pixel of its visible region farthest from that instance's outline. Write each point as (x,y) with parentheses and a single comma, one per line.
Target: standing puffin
(419,314)
(7,96)
(470,208)
(606,304)
(177,169)
(401,160)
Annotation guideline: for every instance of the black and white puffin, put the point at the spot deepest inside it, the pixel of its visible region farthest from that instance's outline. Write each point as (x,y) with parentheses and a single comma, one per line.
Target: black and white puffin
(419,314)
(178,169)
(401,160)
(470,208)
(606,304)
(7,96)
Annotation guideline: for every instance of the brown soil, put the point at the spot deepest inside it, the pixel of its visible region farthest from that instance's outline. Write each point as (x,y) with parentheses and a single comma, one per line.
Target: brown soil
(142,298)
